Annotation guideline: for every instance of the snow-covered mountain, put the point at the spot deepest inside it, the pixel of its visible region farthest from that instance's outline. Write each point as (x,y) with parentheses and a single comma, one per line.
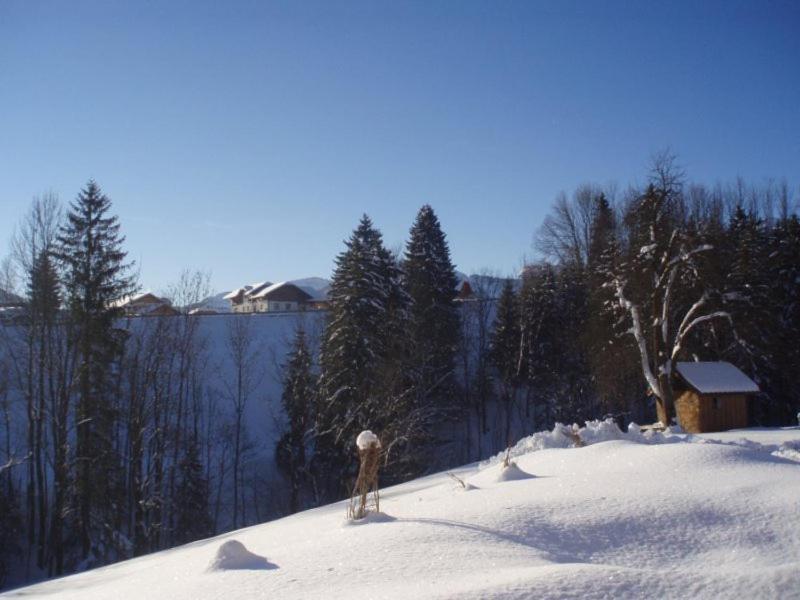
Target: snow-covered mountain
(626,516)
(215,302)
(316,286)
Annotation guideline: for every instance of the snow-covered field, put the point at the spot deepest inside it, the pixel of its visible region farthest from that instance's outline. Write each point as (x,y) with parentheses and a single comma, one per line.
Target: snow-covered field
(669,516)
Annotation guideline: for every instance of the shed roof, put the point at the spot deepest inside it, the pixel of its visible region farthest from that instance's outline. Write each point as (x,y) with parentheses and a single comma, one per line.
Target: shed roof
(716,378)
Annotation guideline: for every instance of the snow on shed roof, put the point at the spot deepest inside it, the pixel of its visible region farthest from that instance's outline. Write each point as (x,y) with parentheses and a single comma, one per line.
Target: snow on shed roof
(716,378)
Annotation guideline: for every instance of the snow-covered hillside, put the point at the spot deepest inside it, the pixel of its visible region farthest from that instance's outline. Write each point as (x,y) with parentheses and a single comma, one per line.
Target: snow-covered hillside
(316,286)
(668,516)
(215,302)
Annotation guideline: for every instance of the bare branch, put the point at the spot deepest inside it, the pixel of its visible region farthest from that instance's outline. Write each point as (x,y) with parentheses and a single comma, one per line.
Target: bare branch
(638,334)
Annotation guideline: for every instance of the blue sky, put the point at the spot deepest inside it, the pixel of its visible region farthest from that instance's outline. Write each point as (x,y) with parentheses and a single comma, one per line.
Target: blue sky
(246,138)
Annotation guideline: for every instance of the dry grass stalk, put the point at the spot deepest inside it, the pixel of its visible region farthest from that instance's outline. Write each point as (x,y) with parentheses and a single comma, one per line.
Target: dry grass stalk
(457,479)
(367,483)
(507,458)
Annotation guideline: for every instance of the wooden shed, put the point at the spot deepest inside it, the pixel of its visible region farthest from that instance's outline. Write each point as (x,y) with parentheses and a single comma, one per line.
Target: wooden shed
(711,396)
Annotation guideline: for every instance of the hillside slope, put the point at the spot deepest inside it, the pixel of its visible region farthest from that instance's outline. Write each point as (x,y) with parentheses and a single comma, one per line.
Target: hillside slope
(620,518)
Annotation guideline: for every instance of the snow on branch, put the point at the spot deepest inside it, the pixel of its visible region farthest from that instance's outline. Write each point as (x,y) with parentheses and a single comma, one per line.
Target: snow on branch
(13,462)
(720,314)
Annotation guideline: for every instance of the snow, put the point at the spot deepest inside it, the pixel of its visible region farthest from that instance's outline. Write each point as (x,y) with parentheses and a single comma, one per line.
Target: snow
(366,439)
(257,287)
(716,378)
(316,287)
(634,515)
(500,473)
(231,295)
(233,555)
(269,289)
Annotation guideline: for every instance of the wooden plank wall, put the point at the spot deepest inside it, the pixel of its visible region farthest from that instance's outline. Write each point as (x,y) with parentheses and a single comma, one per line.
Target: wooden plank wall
(729,412)
(699,413)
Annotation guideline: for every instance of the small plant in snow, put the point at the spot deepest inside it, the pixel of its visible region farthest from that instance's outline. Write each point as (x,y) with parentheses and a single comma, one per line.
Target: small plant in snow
(457,479)
(507,462)
(369,449)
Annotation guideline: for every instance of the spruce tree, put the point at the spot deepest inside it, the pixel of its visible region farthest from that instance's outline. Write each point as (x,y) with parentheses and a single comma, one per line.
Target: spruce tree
(505,348)
(44,290)
(193,521)
(11,528)
(430,281)
(299,387)
(96,278)
(44,303)
(538,324)
(748,296)
(616,383)
(784,274)
(359,352)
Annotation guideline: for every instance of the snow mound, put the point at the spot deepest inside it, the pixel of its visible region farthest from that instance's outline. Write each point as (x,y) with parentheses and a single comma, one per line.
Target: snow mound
(788,450)
(366,439)
(233,555)
(513,473)
(370,517)
(572,436)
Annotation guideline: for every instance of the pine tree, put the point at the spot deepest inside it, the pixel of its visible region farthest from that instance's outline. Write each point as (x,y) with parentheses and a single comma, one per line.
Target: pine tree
(299,387)
(361,349)
(430,281)
(193,521)
(505,348)
(11,528)
(44,303)
(748,296)
(784,274)
(44,290)
(96,278)
(611,361)
(538,324)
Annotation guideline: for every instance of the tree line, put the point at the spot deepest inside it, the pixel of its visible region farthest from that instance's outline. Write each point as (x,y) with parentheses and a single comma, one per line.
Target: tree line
(627,285)
(135,442)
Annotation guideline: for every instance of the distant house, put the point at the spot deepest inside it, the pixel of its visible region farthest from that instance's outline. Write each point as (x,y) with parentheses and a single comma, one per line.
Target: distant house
(712,396)
(146,305)
(273,297)
(240,298)
(464,291)
(279,297)
(12,307)
(318,304)
(10,300)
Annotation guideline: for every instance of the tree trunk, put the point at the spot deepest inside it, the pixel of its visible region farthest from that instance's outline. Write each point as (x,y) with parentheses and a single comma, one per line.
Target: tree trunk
(665,406)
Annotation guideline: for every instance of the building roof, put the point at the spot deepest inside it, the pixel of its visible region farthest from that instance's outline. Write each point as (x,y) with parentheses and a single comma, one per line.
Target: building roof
(10,299)
(716,378)
(134,299)
(256,288)
(235,293)
(246,290)
(268,291)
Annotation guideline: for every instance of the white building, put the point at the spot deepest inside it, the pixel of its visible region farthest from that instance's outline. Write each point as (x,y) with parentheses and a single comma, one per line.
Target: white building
(268,297)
